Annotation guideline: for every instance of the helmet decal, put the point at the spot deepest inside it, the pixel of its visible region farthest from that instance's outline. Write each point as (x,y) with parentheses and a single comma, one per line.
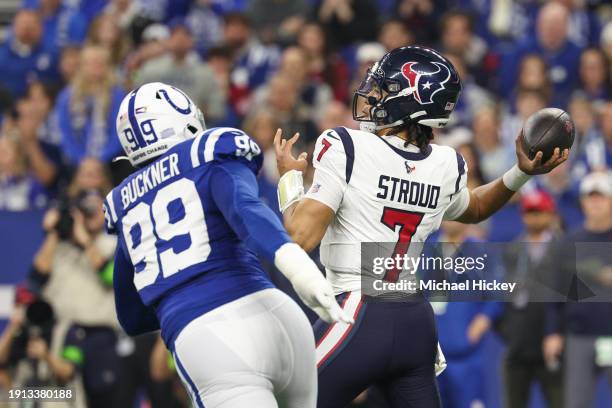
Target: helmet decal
(420,77)
(184,111)
(138,140)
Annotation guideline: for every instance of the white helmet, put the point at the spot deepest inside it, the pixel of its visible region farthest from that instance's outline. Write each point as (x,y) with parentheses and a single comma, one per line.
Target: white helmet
(155,117)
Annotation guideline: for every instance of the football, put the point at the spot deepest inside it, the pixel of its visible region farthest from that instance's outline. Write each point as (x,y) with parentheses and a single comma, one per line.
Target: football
(547,129)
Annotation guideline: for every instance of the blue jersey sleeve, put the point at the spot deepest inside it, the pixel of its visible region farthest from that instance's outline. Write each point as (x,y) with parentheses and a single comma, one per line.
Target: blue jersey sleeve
(135,317)
(222,145)
(234,190)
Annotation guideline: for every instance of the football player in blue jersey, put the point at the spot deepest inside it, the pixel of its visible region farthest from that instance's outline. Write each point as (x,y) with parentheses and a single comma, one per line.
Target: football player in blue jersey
(189,226)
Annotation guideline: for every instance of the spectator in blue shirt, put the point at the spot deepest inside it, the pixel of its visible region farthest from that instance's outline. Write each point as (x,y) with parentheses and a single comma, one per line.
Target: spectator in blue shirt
(23,56)
(253,62)
(19,189)
(87,108)
(552,43)
(533,76)
(599,148)
(584,25)
(594,75)
(62,25)
(40,141)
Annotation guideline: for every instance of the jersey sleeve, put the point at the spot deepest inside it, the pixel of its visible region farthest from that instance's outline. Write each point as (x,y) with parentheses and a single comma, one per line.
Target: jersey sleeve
(333,160)
(234,190)
(460,198)
(219,145)
(110,215)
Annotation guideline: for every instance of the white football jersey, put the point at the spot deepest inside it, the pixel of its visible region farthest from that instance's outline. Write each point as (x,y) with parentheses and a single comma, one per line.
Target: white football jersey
(381,191)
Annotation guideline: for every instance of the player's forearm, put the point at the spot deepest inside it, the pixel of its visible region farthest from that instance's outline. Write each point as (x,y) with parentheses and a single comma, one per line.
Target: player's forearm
(296,231)
(306,222)
(485,200)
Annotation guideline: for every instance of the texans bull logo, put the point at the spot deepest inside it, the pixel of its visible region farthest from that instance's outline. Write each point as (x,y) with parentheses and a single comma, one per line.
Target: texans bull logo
(424,81)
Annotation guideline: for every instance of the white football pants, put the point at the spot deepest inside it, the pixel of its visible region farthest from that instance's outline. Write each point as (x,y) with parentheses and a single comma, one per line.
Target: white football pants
(257,351)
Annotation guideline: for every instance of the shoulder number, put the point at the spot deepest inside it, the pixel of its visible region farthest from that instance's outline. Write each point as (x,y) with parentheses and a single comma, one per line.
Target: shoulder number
(326,145)
(246,147)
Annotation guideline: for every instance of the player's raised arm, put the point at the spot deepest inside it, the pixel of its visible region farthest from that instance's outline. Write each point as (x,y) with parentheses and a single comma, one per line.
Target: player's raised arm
(485,200)
(234,190)
(307,219)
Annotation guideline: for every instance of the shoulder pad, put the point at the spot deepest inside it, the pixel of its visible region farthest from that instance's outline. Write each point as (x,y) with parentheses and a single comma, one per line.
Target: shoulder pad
(226,144)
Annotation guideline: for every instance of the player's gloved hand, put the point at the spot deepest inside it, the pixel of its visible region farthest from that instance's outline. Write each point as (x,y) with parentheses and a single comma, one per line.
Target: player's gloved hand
(308,282)
(317,294)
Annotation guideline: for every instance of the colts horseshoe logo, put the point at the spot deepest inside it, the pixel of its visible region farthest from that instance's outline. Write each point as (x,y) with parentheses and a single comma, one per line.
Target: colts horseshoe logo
(184,111)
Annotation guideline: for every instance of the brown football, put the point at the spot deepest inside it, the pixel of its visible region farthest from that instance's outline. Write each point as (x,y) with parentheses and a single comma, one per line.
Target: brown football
(547,129)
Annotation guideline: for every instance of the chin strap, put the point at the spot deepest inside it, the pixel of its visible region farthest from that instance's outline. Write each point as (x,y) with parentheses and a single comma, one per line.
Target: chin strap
(372,127)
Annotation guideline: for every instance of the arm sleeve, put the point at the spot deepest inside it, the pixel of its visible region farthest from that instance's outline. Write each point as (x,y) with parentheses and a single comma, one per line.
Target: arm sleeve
(234,190)
(135,317)
(460,199)
(332,169)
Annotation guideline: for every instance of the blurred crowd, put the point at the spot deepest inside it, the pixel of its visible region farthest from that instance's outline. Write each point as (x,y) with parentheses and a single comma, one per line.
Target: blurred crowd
(65,66)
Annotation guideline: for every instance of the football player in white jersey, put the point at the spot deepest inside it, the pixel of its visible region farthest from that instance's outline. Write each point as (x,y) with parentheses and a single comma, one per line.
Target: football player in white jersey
(387,183)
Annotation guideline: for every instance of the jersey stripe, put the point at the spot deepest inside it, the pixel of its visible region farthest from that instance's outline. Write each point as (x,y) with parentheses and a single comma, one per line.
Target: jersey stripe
(338,331)
(195,150)
(193,389)
(349,150)
(209,147)
(111,207)
(460,171)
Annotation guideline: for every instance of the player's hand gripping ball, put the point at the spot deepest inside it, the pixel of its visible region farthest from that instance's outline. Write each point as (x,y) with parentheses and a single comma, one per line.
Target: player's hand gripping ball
(545,140)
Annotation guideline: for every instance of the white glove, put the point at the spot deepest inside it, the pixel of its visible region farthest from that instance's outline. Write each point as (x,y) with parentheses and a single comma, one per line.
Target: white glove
(440,364)
(308,282)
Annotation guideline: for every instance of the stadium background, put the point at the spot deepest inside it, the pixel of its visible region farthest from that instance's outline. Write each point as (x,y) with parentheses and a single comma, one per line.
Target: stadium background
(263,64)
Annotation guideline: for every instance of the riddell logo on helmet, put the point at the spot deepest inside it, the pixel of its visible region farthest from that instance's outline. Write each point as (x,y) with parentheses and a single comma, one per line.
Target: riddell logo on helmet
(424,80)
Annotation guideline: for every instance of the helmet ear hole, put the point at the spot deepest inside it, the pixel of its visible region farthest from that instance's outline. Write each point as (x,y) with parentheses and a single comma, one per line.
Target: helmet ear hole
(192,129)
(157,96)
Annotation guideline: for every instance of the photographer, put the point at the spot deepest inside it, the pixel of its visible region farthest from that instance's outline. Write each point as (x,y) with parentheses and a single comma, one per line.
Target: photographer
(38,351)
(73,271)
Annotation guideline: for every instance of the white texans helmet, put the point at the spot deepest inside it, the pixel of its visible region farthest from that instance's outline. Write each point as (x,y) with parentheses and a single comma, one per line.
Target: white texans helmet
(155,117)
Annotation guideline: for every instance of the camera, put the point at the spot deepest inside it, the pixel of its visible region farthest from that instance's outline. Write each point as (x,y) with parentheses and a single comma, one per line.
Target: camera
(65,222)
(39,322)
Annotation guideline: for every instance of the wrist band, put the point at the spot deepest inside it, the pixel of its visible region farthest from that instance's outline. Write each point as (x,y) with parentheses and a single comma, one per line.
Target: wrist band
(515,178)
(290,189)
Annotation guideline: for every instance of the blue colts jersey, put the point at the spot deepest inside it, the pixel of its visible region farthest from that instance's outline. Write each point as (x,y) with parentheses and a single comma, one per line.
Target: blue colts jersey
(188,225)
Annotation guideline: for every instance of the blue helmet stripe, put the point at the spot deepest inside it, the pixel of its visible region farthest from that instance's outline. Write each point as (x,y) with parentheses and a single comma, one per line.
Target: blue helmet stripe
(133,122)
